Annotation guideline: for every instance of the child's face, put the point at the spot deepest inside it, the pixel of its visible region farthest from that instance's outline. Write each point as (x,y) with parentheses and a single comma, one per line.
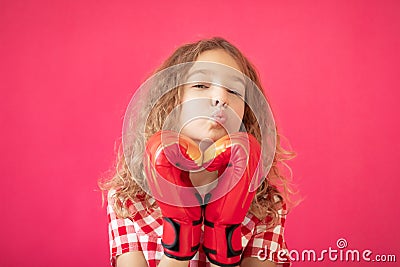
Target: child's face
(210,111)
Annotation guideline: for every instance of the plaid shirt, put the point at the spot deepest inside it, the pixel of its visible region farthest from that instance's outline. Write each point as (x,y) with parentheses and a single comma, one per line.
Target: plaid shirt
(143,231)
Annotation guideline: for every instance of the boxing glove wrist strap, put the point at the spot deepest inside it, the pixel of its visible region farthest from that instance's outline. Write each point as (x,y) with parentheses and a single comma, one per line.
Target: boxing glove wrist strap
(180,239)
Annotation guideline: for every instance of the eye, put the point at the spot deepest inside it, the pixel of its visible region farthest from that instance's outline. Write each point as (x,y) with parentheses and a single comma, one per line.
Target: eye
(235,93)
(201,86)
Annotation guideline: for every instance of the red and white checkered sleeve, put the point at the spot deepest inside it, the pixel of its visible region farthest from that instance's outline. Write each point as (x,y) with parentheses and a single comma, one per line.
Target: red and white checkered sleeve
(269,243)
(121,232)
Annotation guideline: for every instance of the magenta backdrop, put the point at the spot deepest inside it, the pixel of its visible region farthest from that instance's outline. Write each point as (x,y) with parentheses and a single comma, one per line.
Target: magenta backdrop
(68,71)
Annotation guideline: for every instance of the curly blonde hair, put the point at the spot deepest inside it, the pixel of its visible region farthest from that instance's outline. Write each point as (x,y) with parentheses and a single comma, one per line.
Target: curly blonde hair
(274,191)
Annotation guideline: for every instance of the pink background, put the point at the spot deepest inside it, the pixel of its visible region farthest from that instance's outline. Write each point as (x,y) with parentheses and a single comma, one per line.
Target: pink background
(68,71)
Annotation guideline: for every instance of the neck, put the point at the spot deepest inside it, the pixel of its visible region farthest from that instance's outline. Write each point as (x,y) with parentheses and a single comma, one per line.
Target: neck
(203,180)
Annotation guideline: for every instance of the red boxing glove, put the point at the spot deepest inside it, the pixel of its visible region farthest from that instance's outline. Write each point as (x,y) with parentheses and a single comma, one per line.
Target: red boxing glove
(167,153)
(237,158)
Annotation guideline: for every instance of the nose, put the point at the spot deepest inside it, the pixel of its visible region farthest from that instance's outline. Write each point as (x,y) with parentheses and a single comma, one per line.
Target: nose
(219,96)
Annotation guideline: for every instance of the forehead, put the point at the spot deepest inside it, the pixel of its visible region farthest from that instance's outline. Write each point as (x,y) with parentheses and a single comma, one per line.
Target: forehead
(219,56)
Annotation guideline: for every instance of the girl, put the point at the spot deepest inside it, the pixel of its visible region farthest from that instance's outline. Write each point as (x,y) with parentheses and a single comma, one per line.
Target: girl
(135,218)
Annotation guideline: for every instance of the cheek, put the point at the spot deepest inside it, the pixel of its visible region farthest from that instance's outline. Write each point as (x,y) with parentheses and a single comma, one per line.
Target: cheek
(194,108)
(188,94)
(192,111)
(238,108)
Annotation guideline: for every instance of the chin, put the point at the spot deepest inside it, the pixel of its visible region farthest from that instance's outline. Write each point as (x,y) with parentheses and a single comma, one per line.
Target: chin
(198,137)
(215,135)
(202,131)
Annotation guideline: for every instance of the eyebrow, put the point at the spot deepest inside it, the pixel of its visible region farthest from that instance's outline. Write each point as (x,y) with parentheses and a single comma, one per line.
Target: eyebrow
(207,72)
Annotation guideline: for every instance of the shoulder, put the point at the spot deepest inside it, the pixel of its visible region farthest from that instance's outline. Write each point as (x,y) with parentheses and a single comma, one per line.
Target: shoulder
(141,214)
(140,203)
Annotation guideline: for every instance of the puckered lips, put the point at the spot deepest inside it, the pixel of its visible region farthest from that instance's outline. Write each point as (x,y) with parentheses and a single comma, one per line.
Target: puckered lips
(219,116)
